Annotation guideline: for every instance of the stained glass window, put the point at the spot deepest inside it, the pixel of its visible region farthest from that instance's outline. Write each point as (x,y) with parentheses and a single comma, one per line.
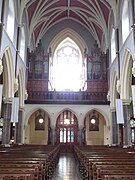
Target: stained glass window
(67,127)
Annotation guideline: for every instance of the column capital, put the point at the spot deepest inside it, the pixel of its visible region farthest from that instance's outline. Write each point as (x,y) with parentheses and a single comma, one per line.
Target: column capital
(113,109)
(133,68)
(108,96)
(126,101)
(21,108)
(115,26)
(1,24)
(1,66)
(26,95)
(118,86)
(7,100)
(16,85)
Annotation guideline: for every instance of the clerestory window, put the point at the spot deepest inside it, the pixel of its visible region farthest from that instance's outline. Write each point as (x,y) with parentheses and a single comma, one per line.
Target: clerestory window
(125,21)
(11,20)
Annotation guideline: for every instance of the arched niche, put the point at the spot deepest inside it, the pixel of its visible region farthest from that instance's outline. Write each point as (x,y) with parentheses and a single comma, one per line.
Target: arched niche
(66,128)
(97,132)
(37,130)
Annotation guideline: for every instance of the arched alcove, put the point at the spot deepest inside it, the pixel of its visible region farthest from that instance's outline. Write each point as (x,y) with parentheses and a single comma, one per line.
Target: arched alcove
(66,128)
(37,130)
(96,130)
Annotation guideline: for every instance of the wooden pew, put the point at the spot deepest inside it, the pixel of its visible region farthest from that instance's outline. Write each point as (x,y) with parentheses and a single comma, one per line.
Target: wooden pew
(106,159)
(17,177)
(28,158)
(117,173)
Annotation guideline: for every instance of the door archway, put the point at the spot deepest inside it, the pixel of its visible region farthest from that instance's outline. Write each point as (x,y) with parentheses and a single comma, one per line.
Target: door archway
(67,128)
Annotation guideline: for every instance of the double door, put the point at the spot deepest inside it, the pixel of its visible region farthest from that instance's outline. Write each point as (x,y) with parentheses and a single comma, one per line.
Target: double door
(67,135)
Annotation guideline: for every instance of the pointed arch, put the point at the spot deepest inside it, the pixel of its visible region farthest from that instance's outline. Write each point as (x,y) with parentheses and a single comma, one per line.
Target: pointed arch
(126,75)
(31,129)
(106,118)
(67,58)
(72,35)
(8,73)
(97,129)
(66,128)
(66,109)
(32,111)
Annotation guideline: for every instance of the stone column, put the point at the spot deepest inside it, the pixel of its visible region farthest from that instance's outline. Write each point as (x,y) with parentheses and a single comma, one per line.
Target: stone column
(53,135)
(6,122)
(80,128)
(127,129)
(114,127)
(18,127)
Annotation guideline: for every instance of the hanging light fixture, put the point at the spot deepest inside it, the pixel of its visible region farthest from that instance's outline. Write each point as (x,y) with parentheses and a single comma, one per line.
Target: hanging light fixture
(93,118)
(93,121)
(41,120)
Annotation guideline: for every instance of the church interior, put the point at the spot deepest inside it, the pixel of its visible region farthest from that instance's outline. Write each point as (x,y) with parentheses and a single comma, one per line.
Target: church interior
(67,89)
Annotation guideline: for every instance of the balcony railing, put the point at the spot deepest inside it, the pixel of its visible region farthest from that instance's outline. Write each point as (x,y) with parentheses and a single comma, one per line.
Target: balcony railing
(54,97)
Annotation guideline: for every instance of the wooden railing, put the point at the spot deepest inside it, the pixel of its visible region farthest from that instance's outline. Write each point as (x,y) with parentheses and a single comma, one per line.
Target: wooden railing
(82,97)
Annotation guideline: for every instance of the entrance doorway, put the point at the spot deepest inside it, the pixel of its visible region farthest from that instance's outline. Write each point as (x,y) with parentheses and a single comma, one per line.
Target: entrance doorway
(67,128)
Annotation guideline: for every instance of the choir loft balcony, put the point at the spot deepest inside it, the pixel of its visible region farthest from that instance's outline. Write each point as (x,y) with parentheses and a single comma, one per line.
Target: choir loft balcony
(54,97)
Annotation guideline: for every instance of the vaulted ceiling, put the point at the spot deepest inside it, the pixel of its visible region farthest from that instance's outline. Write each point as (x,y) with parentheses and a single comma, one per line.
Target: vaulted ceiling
(92,14)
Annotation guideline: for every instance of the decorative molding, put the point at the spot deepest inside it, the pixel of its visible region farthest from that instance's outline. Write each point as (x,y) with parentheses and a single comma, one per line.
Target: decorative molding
(16,85)
(26,95)
(7,100)
(112,109)
(108,96)
(1,66)
(133,69)
(21,108)
(67,97)
(126,101)
(118,86)
(133,26)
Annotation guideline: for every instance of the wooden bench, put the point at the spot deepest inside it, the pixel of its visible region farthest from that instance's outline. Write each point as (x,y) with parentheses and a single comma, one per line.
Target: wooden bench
(96,163)
(118,173)
(28,161)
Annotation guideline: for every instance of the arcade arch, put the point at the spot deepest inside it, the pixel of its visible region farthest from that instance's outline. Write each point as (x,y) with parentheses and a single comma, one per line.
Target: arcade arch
(95,130)
(66,128)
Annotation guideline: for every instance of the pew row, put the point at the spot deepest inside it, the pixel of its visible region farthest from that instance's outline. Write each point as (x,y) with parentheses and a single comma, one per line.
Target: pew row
(105,162)
(35,162)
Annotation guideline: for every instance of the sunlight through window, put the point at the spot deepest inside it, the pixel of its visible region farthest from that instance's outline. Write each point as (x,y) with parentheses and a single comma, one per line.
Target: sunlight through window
(67,67)
(125,21)
(10,20)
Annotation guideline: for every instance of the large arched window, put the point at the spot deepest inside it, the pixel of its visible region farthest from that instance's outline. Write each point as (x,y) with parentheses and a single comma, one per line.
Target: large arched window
(67,128)
(67,66)
(113,46)
(11,20)
(125,21)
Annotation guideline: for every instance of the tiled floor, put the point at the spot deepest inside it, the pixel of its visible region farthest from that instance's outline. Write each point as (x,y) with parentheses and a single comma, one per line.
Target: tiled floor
(67,168)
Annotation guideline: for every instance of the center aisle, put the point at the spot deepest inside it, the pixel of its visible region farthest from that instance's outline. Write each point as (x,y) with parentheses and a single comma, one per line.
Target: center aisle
(67,168)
